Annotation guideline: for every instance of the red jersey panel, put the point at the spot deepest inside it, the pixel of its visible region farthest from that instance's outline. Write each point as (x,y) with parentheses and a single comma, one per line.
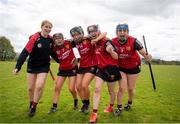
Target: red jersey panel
(103,57)
(29,46)
(128,55)
(87,53)
(65,56)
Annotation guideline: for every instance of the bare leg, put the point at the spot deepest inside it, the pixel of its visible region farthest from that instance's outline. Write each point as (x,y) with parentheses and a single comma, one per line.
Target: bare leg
(58,86)
(111,92)
(122,88)
(97,92)
(79,78)
(71,85)
(31,78)
(131,85)
(85,85)
(40,81)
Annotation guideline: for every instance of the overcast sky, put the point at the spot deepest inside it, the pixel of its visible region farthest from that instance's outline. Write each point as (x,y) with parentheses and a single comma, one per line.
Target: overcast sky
(158,20)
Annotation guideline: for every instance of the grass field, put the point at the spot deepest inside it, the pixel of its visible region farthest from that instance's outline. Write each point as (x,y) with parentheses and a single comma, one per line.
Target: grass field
(160,106)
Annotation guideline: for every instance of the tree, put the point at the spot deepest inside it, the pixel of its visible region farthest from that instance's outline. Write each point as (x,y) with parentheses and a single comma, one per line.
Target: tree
(6,49)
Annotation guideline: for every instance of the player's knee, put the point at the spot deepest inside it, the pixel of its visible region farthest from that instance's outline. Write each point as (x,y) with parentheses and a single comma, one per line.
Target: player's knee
(84,87)
(121,90)
(78,87)
(131,90)
(31,89)
(111,92)
(57,89)
(97,90)
(39,88)
(72,90)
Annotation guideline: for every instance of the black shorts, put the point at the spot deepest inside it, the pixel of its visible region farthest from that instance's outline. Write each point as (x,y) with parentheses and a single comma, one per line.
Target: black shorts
(43,69)
(109,73)
(65,73)
(135,70)
(87,70)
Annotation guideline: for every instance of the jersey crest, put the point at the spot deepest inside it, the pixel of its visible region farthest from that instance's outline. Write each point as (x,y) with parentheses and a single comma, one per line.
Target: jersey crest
(67,46)
(128,48)
(39,45)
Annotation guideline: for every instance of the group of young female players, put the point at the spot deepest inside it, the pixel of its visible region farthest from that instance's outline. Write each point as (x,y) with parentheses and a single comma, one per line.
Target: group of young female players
(82,59)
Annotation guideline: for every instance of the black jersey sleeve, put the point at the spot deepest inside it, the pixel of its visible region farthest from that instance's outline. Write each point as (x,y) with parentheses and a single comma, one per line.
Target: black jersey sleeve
(21,59)
(54,56)
(73,44)
(137,45)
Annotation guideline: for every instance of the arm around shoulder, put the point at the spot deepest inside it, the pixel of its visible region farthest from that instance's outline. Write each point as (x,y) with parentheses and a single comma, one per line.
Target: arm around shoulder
(101,36)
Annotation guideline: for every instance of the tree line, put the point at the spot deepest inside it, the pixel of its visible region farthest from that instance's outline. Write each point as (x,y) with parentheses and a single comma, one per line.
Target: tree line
(162,62)
(7,53)
(6,49)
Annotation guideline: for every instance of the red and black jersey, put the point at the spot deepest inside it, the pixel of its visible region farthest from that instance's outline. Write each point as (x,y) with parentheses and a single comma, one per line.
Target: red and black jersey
(87,53)
(128,55)
(39,50)
(65,55)
(103,57)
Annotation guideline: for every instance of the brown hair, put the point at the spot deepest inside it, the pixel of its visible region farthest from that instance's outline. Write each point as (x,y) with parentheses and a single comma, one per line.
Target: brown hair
(45,22)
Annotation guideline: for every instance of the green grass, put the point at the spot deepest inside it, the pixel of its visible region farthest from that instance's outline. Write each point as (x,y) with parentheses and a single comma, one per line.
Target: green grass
(160,106)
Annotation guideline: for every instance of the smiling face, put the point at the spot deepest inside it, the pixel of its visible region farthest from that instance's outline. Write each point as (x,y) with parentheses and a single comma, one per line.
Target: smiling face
(58,39)
(77,33)
(94,34)
(59,42)
(77,37)
(93,31)
(46,27)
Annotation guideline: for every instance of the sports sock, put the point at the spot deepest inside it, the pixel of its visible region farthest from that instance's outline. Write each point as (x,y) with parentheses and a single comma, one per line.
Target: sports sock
(30,104)
(55,105)
(111,105)
(119,106)
(84,102)
(129,102)
(95,110)
(75,102)
(34,104)
(87,102)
